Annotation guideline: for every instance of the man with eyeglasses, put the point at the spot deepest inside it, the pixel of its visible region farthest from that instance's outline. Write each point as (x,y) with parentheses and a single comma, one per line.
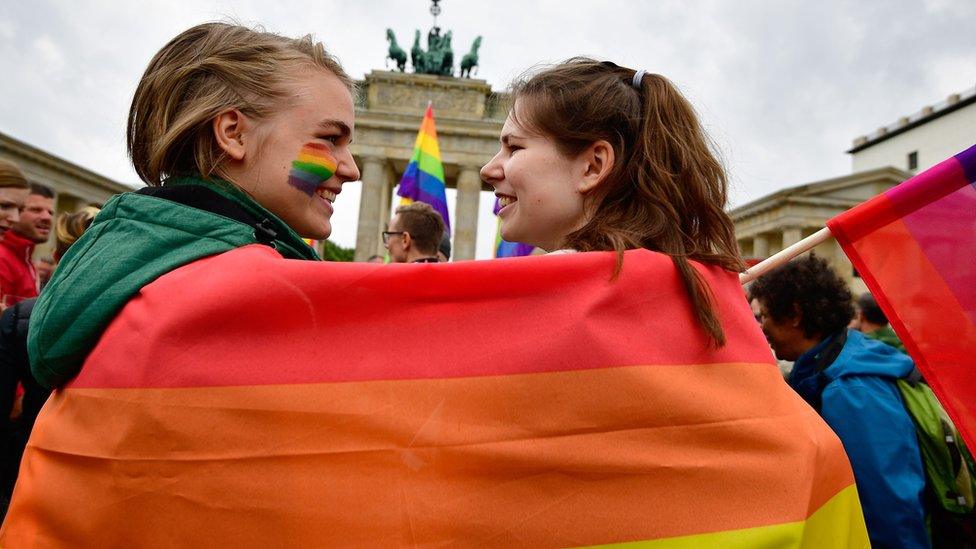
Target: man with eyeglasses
(414,234)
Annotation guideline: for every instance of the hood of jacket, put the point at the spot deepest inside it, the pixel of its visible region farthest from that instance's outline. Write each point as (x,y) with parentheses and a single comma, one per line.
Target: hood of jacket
(844,354)
(865,356)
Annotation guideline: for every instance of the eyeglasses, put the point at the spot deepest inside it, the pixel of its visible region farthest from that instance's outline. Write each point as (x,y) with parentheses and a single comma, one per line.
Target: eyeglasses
(388,234)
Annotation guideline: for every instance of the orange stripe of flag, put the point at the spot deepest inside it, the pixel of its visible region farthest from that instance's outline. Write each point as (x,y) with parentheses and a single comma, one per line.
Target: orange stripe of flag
(567,458)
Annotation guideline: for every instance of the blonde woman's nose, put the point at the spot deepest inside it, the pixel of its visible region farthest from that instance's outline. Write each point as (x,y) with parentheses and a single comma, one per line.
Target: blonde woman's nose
(348,170)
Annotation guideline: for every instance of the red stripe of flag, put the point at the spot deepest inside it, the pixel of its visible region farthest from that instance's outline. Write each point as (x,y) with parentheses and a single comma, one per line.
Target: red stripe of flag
(575,318)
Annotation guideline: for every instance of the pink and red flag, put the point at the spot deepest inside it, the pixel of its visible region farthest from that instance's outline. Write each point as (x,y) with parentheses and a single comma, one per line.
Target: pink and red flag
(913,247)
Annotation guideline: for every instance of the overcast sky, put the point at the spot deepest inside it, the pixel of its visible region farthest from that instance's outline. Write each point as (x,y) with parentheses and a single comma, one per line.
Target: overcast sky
(782,86)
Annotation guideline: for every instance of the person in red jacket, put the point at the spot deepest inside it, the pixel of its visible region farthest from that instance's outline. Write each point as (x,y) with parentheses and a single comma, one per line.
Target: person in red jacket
(18,279)
(13,195)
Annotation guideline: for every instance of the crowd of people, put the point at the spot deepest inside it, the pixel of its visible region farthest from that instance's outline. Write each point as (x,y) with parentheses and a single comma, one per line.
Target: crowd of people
(26,220)
(594,157)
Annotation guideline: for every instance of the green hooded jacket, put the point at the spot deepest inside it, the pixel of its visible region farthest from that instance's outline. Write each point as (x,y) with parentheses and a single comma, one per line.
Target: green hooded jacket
(133,241)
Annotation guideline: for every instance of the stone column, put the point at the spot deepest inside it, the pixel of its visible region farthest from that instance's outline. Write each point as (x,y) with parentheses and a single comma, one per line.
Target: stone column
(386,198)
(791,235)
(370,201)
(386,204)
(760,246)
(466,213)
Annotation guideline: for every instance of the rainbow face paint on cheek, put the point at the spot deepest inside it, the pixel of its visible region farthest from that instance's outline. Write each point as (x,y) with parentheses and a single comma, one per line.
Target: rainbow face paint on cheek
(314,165)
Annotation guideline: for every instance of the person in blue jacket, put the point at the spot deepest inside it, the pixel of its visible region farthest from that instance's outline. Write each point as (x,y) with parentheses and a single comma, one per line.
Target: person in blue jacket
(850,379)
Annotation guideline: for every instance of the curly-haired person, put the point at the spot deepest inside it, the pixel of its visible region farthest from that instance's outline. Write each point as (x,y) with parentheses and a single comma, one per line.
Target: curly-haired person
(850,379)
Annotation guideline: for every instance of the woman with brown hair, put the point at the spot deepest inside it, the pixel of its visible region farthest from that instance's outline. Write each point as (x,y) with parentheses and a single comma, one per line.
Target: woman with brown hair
(596,157)
(14,189)
(600,157)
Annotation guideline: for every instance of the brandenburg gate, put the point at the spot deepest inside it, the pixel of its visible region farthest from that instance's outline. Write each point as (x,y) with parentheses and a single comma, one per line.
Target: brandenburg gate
(390,106)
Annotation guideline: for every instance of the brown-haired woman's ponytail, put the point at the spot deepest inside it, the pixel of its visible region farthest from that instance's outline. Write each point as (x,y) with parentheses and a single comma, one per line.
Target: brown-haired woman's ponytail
(672,155)
(701,300)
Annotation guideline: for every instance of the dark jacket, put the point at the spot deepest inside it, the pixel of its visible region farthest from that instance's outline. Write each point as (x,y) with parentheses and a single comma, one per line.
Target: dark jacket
(850,380)
(135,239)
(14,370)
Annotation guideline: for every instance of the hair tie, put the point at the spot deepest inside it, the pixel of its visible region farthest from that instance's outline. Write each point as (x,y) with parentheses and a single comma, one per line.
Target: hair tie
(638,78)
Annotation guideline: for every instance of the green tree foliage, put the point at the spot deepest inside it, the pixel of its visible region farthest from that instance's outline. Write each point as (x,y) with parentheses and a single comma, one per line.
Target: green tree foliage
(334,252)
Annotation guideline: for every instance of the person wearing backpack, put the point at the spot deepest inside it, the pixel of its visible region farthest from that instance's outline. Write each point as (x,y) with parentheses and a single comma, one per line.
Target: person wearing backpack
(851,381)
(948,463)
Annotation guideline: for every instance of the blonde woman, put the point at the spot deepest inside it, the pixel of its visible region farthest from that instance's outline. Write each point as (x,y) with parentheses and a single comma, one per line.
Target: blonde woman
(69,228)
(242,137)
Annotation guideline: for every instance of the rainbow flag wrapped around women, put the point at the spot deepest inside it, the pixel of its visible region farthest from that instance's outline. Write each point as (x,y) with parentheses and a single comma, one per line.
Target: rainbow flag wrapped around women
(249,401)
(423,180)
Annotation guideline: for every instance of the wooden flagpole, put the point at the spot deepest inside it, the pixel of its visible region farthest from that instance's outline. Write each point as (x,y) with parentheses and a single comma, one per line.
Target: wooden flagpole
(784,256)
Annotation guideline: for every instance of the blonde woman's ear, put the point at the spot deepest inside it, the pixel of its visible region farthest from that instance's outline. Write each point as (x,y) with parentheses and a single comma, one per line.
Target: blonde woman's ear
(598,161)
(228,128)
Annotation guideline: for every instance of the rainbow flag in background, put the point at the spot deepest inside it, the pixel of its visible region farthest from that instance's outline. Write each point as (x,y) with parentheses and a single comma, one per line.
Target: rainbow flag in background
(423,180)
(504,248)
(563,409)
(913,246)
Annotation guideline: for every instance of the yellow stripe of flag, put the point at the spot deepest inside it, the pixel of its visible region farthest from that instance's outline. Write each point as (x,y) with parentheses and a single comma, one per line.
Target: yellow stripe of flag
(840,515)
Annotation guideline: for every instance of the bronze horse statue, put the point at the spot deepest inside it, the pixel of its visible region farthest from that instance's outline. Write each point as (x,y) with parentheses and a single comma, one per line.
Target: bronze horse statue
(417,55)
(470,59)
(395,53)
(447,64)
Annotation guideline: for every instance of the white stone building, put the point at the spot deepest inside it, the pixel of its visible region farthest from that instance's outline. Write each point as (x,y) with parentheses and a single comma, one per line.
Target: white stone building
(74,186)
(918,141)
(880,161)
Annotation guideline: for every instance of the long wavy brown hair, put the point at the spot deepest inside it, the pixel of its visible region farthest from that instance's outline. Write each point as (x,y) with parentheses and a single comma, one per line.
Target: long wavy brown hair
(666,191)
